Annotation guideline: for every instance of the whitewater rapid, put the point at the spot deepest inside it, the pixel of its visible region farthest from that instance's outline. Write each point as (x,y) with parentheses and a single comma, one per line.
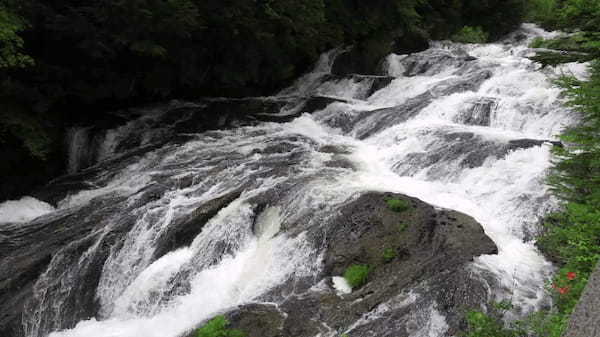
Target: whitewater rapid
(448,129)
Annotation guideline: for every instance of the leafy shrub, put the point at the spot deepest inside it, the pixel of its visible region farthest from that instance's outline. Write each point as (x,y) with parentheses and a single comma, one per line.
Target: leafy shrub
(538,42)
(470,35)
(389,254)
(537,324)
(565,14)
(357,275)
(398,205)
(217,327)
(543,12)
(11,44)
(482,325)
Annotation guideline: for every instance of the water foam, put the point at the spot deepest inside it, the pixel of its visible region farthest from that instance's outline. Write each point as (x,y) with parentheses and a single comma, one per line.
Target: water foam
(23,210)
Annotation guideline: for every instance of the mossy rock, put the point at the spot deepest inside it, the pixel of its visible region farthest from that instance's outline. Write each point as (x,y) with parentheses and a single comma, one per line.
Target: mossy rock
(553,58)
(578,47)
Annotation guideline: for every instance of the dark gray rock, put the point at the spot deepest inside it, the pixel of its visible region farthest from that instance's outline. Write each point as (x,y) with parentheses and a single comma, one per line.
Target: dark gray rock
(585,320)
(462,149)
(434,60)
(379,82)
(411,42)
(478,112)
(367,123)
(364,59)
(316,103)
(367,226)
(160,124)
(370,83)
(260,320)
(182,232)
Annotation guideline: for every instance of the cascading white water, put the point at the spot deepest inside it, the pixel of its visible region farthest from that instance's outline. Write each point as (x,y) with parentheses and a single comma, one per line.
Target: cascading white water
(23,210)
(451,134)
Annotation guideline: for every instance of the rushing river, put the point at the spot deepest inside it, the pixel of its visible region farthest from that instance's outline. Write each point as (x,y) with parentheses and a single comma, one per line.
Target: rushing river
(464,127)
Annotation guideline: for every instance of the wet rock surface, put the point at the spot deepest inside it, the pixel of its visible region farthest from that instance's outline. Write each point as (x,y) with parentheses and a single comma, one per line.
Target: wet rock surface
(28,250)
(478,113)
(433,248)
(154,126)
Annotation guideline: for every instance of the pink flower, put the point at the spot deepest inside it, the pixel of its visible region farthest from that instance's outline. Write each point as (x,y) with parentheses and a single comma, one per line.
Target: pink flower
(571,275)
(563,291)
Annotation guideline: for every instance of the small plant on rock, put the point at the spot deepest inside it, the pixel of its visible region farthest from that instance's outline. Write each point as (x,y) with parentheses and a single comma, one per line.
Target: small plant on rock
(398,205)
(356,275)
(217,327)
(389,254)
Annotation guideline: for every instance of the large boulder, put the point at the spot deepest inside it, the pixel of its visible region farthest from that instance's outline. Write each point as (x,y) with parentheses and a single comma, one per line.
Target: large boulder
(429,274)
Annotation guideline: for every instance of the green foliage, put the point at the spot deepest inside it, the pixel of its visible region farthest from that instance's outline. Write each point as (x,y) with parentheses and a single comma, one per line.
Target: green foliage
(537,324)
(217,327)
(29,130)
(470,35)
(402,227)
(503,306)
(356,275)
(389,254)
(572,236)
(565,14)
(553,58)
(542,323)
(576,175)
(585,42)
(482,325)
(398,205)
(542,11)
(581,47)
(11,44)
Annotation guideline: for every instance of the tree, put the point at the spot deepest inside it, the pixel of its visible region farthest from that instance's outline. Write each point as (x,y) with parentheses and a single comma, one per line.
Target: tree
(11,44)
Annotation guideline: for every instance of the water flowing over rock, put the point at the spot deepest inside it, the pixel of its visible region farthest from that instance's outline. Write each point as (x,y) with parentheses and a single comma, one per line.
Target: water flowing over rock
(251,207)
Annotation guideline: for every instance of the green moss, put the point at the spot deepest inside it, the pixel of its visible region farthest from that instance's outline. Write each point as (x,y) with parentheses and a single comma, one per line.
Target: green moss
(388,255)
(38,141)
(402,227)
(554,58)
(356,275)
(470,35)
(217,327)
(398,205)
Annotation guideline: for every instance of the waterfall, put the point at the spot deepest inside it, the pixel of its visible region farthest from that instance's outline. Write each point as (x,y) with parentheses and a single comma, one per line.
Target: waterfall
(462,127)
